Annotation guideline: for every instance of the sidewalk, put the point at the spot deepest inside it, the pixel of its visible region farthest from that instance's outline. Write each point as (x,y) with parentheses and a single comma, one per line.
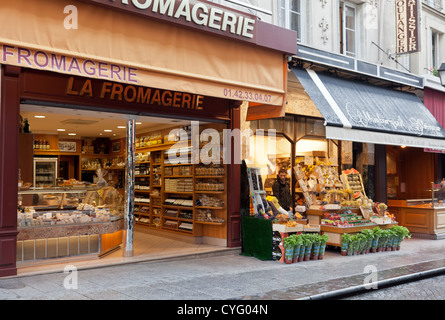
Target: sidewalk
(229,275)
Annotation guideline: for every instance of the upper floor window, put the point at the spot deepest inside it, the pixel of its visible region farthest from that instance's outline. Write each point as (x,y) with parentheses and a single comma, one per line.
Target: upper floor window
(435,45)
(290,15)
(348,29)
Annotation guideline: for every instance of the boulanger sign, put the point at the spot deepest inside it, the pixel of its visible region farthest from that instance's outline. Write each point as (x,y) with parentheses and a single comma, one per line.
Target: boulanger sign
(193,13)
(407,26)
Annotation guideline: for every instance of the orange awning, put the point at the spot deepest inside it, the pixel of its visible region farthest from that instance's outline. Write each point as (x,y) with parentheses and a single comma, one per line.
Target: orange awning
(114,45)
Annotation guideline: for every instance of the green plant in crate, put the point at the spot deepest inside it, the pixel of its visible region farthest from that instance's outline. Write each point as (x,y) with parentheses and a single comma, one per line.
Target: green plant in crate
(345,244)
(323,240)
(369,235)
(288,244)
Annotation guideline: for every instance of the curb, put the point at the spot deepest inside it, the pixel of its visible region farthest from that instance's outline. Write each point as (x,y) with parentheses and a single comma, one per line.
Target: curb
(335,294)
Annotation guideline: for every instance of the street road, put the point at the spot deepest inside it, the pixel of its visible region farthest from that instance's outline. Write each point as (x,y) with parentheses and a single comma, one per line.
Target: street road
(427,289)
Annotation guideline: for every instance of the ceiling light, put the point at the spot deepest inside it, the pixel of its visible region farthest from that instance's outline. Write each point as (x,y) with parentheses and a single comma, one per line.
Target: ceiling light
(121,127)
(138,122)
(72,134)
(61,130)
(108,130)
(40,117)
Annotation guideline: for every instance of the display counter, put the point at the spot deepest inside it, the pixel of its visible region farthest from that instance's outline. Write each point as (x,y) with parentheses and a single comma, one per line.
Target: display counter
(423,217)
(68,221)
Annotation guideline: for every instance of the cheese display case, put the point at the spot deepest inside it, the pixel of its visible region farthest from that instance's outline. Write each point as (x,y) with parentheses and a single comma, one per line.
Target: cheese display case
(67,221)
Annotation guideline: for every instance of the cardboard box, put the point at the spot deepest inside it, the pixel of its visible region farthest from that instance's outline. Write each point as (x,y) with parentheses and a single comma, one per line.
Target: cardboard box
(283,229)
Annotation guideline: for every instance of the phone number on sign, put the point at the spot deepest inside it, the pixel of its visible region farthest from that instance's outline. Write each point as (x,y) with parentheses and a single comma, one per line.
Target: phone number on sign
(247,95)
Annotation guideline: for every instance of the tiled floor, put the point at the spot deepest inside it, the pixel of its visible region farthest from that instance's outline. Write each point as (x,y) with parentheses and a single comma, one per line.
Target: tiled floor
(147,247)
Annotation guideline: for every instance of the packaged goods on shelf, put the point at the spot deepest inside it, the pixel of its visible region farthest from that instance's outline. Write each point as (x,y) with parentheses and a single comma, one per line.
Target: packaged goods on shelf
(186,226)
(185,214)
(208,216)
(209,185)
(210,171)
(208,201)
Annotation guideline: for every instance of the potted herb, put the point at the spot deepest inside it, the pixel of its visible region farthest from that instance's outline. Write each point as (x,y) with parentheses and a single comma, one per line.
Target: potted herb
(307,242)
(297,247)
(402,233)
(302,249)
(392,238)
(362,240)
(315,246)
(376,234)
(288,244)
(323,240)
(354,244)
(368,235)
(345,243)
(382,241)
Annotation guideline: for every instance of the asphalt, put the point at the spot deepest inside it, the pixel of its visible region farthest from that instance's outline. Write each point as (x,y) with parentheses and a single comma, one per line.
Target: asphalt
(228,275)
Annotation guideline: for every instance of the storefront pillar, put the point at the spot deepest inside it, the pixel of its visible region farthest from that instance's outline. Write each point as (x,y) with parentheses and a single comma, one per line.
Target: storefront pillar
(381,184)
(234,184)
(129,188)
(9,129)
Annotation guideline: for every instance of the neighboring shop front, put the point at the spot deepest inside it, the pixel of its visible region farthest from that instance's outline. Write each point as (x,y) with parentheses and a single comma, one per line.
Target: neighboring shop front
(416,175)
(145,63)
(341,118)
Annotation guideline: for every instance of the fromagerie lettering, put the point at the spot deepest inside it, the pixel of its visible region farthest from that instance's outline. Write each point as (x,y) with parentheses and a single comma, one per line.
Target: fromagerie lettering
(134,94)
(198,13)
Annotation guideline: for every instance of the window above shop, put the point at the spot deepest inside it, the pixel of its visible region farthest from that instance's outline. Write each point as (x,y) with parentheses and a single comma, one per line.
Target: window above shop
(348,29)
(290,16)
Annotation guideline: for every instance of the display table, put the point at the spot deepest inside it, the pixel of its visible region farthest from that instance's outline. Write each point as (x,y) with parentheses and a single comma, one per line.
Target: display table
(335,233)
(421,220)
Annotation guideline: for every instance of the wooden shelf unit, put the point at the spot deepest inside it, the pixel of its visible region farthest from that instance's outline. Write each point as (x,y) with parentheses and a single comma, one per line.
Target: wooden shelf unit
(172,222)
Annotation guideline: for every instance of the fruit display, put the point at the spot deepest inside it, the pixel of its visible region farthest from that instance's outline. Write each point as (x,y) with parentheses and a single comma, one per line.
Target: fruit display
(352,180)
(345,219)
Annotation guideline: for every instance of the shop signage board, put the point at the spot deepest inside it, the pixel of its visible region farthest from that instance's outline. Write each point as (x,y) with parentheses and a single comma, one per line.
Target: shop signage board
(407,26)
(192,13)
(215,41)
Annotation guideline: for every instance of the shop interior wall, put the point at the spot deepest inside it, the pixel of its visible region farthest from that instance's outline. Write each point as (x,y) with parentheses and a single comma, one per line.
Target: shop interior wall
(410,172)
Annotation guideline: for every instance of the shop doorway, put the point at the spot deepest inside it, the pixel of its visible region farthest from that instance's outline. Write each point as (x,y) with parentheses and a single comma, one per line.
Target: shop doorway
(178,207)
